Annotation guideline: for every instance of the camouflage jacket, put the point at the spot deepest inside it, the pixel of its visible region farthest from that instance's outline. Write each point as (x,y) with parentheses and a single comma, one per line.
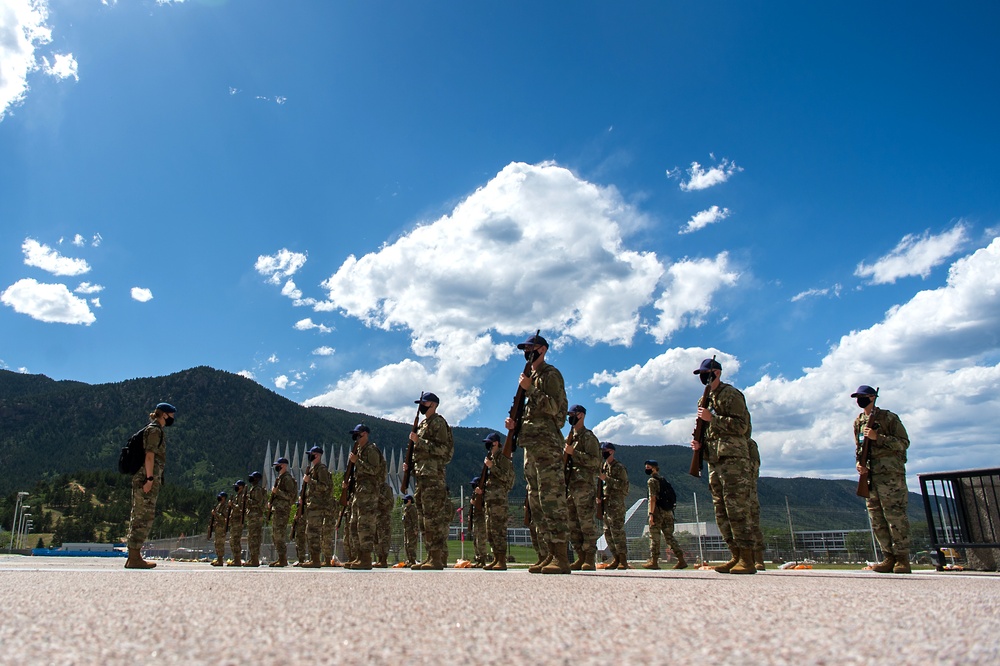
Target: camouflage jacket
(236,507)
(586,457)
(888,453)
(155,440)
(385,499)
(285,491)
(501,477)
(255,502)
(369,469)
(434,446)
(410,517)
(218,519)
(727,432)
(546,397)
(616,485)
(319,490)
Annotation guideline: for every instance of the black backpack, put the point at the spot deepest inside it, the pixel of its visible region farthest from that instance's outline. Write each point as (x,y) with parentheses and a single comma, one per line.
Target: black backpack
(133,454)
(666,498)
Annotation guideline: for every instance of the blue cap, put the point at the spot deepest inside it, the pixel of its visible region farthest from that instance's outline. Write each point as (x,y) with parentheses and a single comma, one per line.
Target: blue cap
(708,365)
(652,463)
(492,437)
(864,390)
(239,483)
(608,445)
(222,494)
(281,461)
(316,449)
(166,407)
(475,481)
(534,340)
(427,396)
(361,427)
(255,476)
(578,408)
(407,498)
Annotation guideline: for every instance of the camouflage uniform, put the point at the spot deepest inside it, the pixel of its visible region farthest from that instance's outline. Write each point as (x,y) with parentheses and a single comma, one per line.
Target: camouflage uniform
(369,471)
(729,475)
(218,523)
(299,528)
(580,494)
(319,512)
(383,525)
(663,522)
(431,455)
(411,532)
(477,531)
(888,495)
(758,535)
(256,496)
(540,437)
(144,504)
(282,496)
(615,492)
(498,485)
(236,513)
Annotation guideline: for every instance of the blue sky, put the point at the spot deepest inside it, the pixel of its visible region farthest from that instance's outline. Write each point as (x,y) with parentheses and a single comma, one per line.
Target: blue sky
(351,202)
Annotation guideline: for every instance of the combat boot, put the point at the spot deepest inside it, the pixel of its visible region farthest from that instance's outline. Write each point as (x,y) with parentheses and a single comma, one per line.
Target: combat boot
(135,560)
(252,562)
(282,561)
(886,565)
(614,563)
(758,559)
(500,564)
(217,562)
(541,564)
(314,560)
(623,561)
(589,561)
(435,562)
(725,568)
(237,560)
(652,563)
(383,562)
(902,565)
(680,564)
(578,562)
(745,564)
(559,563)
(364,563)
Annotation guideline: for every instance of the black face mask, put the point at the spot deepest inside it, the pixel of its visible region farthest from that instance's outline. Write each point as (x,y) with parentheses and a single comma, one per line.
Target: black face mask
(605,454)
(706,377)
(277,468)
(573,419)
(489,447)
(354,436)
(649,472)
(313,457)
(530,355)
(169,421)
(424,408)
(864,401)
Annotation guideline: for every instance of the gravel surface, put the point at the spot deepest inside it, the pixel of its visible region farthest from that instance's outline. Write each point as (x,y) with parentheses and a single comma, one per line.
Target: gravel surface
(91,610)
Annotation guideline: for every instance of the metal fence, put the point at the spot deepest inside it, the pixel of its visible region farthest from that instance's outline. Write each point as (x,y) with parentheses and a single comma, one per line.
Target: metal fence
(962,513)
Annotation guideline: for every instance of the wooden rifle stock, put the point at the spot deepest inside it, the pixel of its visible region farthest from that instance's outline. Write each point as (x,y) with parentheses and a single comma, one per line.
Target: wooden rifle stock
(599,510)
(479,499)
(865,479)
(698,456)
(567,460)
(347,486)
(404,485)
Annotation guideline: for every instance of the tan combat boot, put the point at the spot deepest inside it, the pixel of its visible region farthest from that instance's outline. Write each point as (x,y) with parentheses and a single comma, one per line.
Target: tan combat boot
(589,561)
(219,559)
(902,565)
(314,560)
(614,563)
(758,559)
(252,562)
(578,562)
(886,565)
(745,565)
(559,563)
(500,564)
(680,564)
(725,568)
(364,563)
(652,563)
(383,562)
(541,564)
(623,561)
(135,560)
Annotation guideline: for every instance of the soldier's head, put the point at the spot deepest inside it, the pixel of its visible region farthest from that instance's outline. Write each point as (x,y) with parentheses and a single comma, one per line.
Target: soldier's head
(709,371)
(407,499)
(474,482)
(865,395)
(607,450)
(255,478)
(163,414)
(239,485)
(222,497)
(428,403)
(492,441)
(534,348)
(315,453)
(360,434)
(280,465)
(576,414)
(652,467)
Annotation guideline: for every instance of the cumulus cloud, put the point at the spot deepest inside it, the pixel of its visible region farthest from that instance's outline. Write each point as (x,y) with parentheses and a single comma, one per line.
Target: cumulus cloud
(307,324)
(142,294)
(915,255)
(88,288)
(689,286)
(704,218)
(63,66)
(813,293)
(701,179)
(51,303)
(282,382)
(248,374)
(323,351)
(44,257)
(280,267)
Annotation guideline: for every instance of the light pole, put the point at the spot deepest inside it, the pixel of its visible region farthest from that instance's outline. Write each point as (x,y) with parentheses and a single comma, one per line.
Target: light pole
(13,523)
(28,524)
(20,529)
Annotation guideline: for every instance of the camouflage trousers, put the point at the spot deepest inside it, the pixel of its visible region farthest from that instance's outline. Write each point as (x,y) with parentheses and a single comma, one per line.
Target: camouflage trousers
(411,536)
(545,477)
(614,526)
(351,545)
(301,545)
(758,535)
(887,501)
(480,544)
(663,524)
(729,480)
(236,538)
(220,544)
(580,500)
(279,527)
(496,522)
(434,507)
(143,512)
(364,512)
(320,521)
(255,535)
(383,533)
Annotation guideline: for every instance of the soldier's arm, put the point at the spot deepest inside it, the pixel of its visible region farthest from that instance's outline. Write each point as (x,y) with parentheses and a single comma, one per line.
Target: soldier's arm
(891,433)
(548,392)
(434,437)
(731,416)
(588,451)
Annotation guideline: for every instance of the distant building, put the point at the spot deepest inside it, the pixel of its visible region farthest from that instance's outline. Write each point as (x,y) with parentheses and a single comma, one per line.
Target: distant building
(334,457)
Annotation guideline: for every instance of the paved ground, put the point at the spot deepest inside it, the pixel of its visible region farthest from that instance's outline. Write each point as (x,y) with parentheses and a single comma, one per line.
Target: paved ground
(90,610)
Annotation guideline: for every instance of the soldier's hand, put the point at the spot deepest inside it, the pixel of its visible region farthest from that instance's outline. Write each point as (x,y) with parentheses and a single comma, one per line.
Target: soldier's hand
(651,520)
(305,479)
(413,437)
(870,434)
(147,487)
(861,470)
(524,382)
(569,450)
(353,457)
(602,477)
(509,423)
(488,463)
(704,414)
(695,444)
(405,467)
(478,490)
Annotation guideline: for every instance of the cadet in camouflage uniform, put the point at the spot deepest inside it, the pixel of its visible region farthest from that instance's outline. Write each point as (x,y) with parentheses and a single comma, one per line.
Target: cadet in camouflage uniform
(661,521)
(886,467)
(542,441)
(477,527)
(729,474)
(758,534)
(282,496)
(383,526)
(319,508)
(411,530)
(301,544)
(584,453)
(615,478)
(369,477)
(432,451)
(217,525)
(237,511)
(499,480)
(256,496)
(146,484)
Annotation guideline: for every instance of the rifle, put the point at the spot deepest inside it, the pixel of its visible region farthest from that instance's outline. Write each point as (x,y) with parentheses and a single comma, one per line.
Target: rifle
(599,511)
(517,412)
(865,480)
(211,523)
(698,456)
(347,487)
(567,460)
(404,484)
(478,499)
(527,512)
(301,509)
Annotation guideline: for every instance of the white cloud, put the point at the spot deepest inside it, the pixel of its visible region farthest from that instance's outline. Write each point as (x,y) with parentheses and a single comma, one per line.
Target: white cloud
(810,293)
(51,303)
(705,218)
(700,179)
(96,302)
(687,295)
(96,240)
(273,358)
(78,240)
(142,294)
(42,256)
(307,324)
(324,351)
(88,288)
(282,382)
(915,255)
(64,66)
(283,264)
(248,374)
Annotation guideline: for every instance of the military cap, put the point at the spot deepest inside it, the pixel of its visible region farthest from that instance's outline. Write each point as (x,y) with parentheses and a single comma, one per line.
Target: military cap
(652,463)
(239,483)
(281,461)
(535,340)
(316,449)
(492,437)
(222,494)
(427,396)
(407,498)
(864,390)
(166,407)
(256,476)
(708,365)
(608,445)
(361,427)
(578,408)
(475,481)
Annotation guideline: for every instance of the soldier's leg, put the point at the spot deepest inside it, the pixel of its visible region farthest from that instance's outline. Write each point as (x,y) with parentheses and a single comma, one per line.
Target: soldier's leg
(654,535)
(552,491)
(758,535)
(236,543)
(327,535)
(143,513)
(279,535)
(367,507)
(667,525)
(735,475)
(719,505)
(574,521)
(534,500)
